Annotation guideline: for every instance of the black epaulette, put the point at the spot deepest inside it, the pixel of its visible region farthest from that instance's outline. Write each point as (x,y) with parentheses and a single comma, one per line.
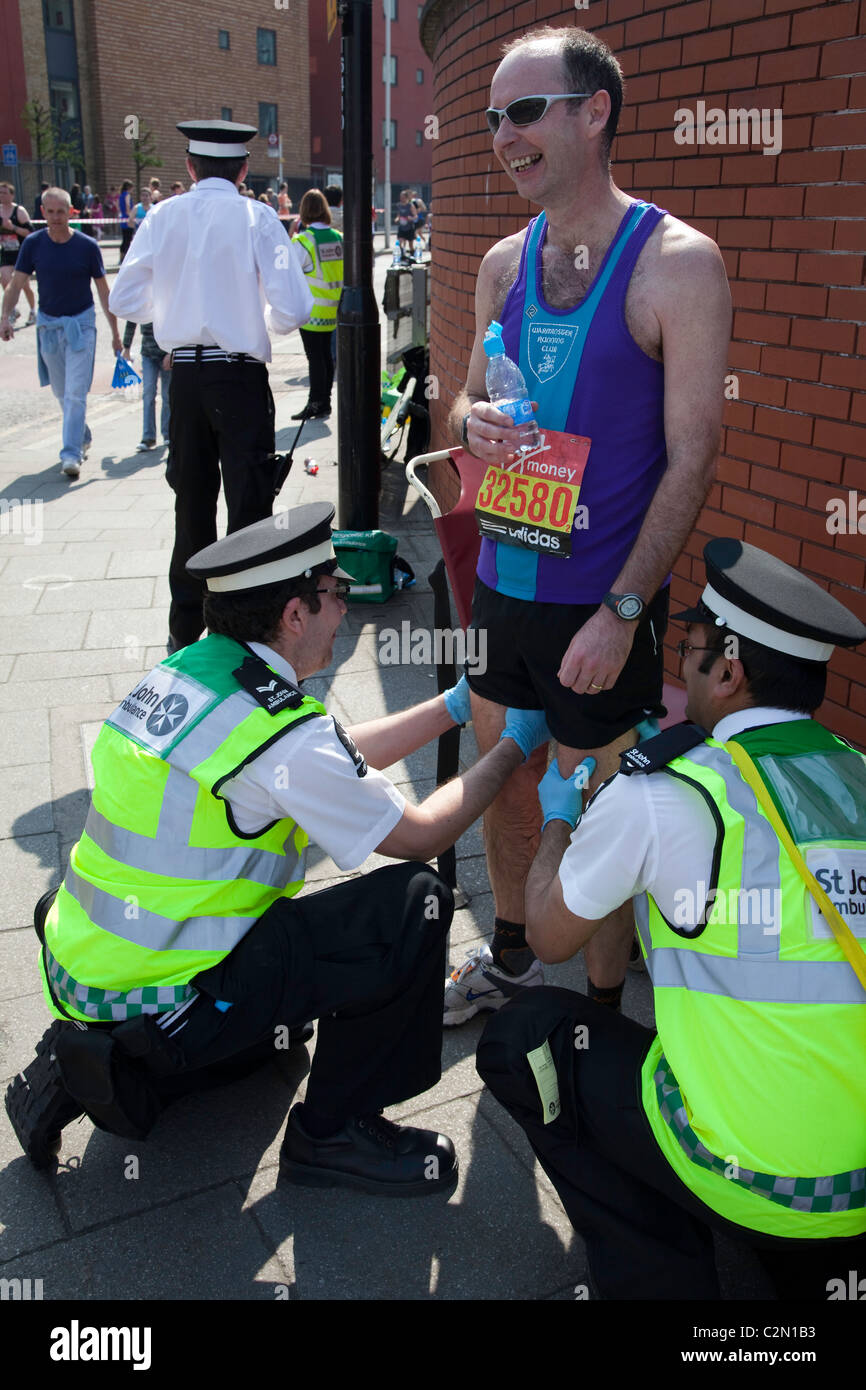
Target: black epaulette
(267,688)
(659,751)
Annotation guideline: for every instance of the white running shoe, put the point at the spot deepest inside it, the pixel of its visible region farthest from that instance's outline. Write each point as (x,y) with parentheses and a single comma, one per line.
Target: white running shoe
(479,984)
(70,468)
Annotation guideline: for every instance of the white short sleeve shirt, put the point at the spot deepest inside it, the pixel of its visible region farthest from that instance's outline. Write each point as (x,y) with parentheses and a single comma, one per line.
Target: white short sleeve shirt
(310,776)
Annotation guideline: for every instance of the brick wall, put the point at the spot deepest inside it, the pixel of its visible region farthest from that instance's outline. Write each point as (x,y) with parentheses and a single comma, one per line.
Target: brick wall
(167,65)
(33,62)
(791,229)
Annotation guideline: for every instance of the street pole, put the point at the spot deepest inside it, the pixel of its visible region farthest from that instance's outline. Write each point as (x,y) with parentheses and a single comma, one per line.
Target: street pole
(358,343)
(387,195)
(280,175)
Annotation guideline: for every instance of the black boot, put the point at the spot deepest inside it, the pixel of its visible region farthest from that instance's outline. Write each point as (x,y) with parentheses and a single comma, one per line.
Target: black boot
(38,1104)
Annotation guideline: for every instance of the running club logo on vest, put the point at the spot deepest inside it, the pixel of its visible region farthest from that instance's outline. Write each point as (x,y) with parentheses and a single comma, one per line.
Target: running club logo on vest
(549,347)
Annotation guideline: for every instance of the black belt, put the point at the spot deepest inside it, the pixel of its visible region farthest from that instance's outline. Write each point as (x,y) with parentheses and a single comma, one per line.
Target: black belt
(199,353)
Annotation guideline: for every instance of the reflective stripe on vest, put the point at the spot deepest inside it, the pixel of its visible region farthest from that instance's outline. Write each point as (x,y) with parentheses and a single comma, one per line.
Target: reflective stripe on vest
(325,279)
(838,1192)
(144,910)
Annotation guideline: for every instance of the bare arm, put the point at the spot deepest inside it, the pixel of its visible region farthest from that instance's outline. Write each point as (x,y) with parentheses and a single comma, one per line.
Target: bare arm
(554,933)
(10,299)
(694,313)
(102,291)
(386,741)
(426,830)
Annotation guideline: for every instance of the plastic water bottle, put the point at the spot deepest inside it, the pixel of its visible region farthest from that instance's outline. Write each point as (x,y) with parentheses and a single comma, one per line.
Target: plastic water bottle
(396,257)
(506,388)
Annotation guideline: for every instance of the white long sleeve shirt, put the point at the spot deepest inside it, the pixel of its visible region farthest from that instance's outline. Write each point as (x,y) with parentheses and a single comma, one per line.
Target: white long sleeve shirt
(212,268)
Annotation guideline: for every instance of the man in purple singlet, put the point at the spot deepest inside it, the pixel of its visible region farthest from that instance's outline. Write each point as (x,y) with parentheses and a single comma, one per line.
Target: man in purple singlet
(619,315)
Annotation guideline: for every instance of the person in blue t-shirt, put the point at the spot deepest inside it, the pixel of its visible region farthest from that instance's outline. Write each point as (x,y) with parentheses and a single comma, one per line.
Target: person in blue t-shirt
(64,263)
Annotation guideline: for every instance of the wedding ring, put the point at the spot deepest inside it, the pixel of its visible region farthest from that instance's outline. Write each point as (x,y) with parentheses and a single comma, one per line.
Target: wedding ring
(593,686)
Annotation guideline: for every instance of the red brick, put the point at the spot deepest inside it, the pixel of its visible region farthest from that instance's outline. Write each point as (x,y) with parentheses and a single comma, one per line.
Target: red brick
(744,357)
(831,94)
(824,23)
(622,9)
(655,56)
(769,35)
(850,235)
(838,690)
(812,463)
(769,265)
(761,328)
(844,200)
(783,424)
(797,299)
(776,6)
(694,171)
(783,547)
(784,362)
(818,400)
(830,270)
(643,29)
(821,495)
(849,56)
(846,129)
(732,470)
(861,341)
(734,11)
(748,506)
(790,65)
(761,390)
(731,76)
(844,371)
(777,484)
(827,335)
(858,407)
(809,166)
(854,165)
(719,202)
(746,168)
(845,723)
(847,439)
(774,202)
(643,87)
(707,48)
(748,294)
(678,201)
(687,19)
(681,82)
(796,521)
(814,234)
(847,304)
(749,232)
(738,415)
(847,569)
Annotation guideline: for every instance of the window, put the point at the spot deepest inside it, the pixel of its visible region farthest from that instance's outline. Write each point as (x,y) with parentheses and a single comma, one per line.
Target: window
(419,137)
(58,14)
(419,76)
(224,39)
(267,118)
(390,8)
(392,143)
(226,113)
(64,100)
(266,47)
(393,69)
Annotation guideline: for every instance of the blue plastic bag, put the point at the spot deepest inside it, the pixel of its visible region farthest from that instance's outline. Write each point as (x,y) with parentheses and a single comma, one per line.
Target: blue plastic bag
(124,374)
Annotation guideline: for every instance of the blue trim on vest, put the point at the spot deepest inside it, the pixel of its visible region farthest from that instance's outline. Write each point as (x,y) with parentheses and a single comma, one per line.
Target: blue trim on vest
(516,567)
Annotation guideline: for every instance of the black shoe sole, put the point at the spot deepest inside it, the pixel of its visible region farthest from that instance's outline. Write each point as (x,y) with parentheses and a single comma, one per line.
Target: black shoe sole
(38,1104)
(305,1175)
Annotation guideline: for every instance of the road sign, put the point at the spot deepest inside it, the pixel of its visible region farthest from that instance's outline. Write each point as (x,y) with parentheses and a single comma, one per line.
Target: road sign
(10,155)
(332,17)
(274,146)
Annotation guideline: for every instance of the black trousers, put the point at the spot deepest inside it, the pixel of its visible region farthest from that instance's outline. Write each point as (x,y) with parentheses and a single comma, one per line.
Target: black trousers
(222,415)
(320,362)
(367,958)
(647,1236)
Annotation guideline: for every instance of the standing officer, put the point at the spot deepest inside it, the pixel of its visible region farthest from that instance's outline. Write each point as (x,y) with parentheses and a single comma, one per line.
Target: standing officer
(746,1111)
(200,271)
(177,936)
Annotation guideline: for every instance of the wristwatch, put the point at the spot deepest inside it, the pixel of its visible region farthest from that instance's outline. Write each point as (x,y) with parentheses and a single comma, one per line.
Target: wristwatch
(464,431)
(629,607)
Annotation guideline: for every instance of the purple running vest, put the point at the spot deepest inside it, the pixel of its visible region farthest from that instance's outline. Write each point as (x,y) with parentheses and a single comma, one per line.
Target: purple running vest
(618,403)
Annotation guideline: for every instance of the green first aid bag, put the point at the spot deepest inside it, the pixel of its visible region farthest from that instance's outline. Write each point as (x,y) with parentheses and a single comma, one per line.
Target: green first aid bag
(371,558)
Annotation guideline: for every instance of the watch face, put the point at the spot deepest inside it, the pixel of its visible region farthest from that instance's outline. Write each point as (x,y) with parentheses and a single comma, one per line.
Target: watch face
(629,607)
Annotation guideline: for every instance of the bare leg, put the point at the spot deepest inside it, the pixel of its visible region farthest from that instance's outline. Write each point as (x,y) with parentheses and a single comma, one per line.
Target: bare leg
(606,955)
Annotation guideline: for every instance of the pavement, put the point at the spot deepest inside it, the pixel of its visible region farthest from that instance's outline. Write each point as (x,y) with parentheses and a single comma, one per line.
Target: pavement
(84,603)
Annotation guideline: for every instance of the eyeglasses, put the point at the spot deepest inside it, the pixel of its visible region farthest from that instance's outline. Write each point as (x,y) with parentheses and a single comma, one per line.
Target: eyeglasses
(684,647)
(527,110)
(341,589)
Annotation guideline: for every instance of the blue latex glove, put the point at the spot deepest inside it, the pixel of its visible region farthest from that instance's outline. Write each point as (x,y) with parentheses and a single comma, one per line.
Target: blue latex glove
(528,728)
(562,797)
(647,728)
(457,702)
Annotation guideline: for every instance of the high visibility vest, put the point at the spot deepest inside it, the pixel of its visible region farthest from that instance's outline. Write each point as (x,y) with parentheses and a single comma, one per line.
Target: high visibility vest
(325,248)
(162,884)
(755,1087)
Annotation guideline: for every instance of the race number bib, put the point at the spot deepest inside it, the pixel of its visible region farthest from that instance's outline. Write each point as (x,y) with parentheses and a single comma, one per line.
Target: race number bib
(534,504)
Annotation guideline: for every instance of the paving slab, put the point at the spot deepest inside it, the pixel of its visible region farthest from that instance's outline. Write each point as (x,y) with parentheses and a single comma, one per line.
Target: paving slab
(50,632)
(29,866)
(25,806)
